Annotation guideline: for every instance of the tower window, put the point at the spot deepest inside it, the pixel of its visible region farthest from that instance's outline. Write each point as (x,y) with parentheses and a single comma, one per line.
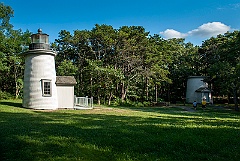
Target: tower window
(46,88)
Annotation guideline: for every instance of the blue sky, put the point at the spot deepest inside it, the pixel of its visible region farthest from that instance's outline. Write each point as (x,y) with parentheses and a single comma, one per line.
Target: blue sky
(193,20)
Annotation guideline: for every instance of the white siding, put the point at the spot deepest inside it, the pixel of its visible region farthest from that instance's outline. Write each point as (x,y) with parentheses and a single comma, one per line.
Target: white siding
(38,66)
(65,96)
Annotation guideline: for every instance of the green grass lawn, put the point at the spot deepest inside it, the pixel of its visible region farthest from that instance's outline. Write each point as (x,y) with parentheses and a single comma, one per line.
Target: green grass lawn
(116,133)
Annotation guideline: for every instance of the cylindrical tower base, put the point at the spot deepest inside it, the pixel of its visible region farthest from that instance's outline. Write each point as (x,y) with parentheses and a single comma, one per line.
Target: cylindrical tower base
(39,90)
(193,83)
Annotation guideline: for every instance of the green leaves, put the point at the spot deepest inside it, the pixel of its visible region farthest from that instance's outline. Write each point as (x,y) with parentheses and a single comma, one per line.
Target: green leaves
(6,12)
(66,68)
(222,57)
(12,43)
(125,62)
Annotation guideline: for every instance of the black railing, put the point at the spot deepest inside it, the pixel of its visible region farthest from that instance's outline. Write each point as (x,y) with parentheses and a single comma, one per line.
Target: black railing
(34,46)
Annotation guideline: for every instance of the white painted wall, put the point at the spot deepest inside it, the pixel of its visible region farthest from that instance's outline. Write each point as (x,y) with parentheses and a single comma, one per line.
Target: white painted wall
(39,64)
(65,96)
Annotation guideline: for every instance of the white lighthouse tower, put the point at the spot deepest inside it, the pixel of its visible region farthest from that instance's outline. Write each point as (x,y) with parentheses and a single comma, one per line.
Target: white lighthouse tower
(39,90)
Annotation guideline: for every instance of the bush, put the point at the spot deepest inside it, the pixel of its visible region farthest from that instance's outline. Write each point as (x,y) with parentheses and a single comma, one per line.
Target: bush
(160,100)
(129,103)
(146,104)
(116,102)
(139,104)
(5,95)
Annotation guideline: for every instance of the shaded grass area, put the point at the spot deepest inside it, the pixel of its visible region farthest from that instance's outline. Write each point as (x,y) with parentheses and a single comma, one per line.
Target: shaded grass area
(104,133)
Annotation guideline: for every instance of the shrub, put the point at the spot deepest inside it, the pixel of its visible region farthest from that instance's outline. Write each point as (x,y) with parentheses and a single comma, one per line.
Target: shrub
(5,95)
(129,103)
(146,104)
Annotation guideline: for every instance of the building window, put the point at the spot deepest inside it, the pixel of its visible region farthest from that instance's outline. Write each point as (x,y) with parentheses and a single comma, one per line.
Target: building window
(46,88)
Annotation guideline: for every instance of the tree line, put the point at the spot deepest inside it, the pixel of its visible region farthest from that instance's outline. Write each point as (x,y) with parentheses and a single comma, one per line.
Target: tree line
(126,65)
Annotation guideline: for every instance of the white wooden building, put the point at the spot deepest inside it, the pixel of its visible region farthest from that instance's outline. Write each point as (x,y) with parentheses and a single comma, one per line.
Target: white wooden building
(65,91)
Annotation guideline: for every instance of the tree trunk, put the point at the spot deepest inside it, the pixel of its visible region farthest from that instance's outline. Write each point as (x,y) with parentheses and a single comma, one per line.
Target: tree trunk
(99,98)
(123,91)
(110,98)
(168,93)
(91,83)
(16,91)
(235,98)
(147,88)
(15,80)
(156,93)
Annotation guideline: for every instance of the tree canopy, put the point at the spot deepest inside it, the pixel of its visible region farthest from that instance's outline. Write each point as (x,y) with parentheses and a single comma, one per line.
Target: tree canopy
(12,43)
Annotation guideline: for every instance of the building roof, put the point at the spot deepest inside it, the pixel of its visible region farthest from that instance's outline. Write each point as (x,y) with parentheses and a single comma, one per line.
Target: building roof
(65,80)
(203,89)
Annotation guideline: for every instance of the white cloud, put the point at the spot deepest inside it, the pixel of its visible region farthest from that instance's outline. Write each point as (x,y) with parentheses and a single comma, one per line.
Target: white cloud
(204,31)
(170,33)
(210,29)
(235,6)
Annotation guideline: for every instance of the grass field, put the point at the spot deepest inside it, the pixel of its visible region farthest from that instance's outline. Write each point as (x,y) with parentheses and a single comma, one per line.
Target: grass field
(118,134)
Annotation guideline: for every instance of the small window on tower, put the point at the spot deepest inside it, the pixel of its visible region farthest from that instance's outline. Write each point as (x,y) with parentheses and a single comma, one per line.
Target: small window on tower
(46,88)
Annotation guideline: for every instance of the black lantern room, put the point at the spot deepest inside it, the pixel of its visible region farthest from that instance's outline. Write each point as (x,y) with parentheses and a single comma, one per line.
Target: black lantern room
(39,41)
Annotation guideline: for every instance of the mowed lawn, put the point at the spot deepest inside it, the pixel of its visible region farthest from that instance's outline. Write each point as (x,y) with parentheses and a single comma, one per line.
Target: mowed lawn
(118,134)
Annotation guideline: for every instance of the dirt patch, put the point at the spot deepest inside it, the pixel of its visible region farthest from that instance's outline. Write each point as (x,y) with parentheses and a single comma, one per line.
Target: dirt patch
(186,108)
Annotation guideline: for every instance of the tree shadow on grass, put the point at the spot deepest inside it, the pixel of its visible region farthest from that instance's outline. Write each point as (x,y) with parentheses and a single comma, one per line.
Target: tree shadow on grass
(85,135)
(209,112)
(12,104)
(81,135)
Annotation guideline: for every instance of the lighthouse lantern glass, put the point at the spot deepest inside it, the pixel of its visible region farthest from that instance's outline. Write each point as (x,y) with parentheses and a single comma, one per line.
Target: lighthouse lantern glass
(38,38)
